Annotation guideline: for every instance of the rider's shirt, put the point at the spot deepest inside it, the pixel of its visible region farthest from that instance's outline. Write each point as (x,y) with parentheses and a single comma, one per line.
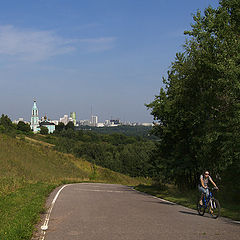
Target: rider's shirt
(205,180)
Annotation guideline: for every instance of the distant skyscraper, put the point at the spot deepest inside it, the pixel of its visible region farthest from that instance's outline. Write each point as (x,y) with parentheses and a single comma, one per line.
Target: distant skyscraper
(73,116)
(34,118)
(94,121)
(65,119)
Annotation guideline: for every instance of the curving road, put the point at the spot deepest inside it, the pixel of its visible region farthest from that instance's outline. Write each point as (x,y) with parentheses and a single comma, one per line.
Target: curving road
(113,212)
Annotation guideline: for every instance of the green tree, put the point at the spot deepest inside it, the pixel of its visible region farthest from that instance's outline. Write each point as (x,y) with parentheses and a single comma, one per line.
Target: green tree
(43,130)
(2,129)
(6,123)
(70,125)
(60,127)
(199,109)
(24,127)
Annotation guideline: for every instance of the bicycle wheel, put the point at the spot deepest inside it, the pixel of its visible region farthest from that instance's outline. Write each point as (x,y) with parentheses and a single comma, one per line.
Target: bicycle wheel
(200,209)
(214,208)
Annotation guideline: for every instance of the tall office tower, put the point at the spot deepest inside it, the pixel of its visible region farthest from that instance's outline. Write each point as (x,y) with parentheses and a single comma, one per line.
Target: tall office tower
(73,116)
(64,119)
(94,121)
(34,118)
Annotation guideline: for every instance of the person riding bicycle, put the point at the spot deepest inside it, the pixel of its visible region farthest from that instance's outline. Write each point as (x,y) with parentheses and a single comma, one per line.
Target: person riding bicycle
(203,186)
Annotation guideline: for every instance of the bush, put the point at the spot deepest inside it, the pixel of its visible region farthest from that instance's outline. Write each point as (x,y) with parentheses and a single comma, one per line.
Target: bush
(24,127)
(44,130)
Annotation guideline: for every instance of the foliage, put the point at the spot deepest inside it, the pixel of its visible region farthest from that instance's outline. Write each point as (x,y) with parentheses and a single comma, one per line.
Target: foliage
(118,152)
(59,127)
(6,125)
(62,127)
(199,109)
(70,125)
(141,131)
(24,127)
(43,130)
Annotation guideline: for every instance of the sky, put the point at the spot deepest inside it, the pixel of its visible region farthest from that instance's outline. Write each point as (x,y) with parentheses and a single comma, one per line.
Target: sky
(77,55)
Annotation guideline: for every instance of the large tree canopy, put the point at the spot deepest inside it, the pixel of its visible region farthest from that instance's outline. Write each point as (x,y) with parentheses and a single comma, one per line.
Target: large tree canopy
(199,109)
(6,124)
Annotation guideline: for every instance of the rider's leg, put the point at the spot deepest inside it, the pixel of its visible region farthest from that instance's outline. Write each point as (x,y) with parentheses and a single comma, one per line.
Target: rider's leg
(201,200)
(207,192)
(203,191)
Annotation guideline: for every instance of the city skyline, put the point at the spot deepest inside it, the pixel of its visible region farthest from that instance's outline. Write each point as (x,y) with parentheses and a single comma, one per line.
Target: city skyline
(54,116)
(71,55)
(72,116)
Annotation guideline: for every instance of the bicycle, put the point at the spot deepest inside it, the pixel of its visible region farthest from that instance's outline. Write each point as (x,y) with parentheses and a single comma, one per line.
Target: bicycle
(211,204)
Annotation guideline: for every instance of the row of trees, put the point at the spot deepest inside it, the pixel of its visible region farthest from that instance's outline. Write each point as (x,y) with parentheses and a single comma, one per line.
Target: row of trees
(118,152)
(6,126)
(138,130)
(199,109)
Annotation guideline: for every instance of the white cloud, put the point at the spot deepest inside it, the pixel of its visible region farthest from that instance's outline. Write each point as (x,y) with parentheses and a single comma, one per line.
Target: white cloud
(30,45)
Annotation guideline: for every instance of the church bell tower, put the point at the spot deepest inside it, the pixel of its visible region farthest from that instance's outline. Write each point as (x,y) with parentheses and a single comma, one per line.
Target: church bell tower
(34,118)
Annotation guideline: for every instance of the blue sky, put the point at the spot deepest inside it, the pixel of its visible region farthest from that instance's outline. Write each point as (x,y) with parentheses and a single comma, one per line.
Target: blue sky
(71,54)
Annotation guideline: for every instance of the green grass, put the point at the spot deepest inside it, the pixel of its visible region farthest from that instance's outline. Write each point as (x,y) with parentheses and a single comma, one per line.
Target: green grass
(29,171)
(189,198)
(20,210)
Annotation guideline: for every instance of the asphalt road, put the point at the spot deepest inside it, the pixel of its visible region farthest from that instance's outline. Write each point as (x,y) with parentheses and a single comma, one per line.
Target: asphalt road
(113,212)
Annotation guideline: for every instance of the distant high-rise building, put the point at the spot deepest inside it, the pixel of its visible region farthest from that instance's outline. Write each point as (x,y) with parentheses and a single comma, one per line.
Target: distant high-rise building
(35,119)
(73,116)
(94,121)
(107,122)
(115,122)
(65,119)
(85,123)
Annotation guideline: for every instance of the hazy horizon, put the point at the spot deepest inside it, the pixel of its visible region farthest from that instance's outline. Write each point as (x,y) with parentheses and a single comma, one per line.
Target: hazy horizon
(71,55)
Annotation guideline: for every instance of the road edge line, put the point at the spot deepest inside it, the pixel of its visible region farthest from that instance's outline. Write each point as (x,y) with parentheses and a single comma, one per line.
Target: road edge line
(231,221)
(44,227)
(156,197)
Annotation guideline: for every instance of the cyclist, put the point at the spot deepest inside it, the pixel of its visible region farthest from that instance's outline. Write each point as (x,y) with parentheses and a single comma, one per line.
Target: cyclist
(203,186)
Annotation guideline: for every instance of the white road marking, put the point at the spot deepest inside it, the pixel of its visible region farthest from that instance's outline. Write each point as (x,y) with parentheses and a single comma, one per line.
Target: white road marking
(238,222)
(98,190)
(44,227)
(163,200)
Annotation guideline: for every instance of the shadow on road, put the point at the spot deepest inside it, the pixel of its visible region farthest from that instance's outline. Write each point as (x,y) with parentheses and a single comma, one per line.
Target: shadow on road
(206,215)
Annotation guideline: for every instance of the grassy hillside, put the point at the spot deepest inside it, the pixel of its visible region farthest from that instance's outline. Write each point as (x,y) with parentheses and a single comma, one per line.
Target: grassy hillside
(29,171)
